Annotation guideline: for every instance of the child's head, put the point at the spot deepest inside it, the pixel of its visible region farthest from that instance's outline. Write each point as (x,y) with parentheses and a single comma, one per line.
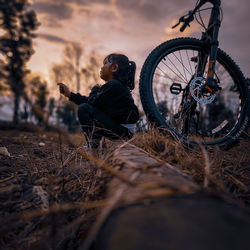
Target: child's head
(124,69)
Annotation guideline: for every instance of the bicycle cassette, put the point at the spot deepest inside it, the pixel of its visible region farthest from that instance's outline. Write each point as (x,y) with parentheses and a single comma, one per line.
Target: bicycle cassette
(201,93)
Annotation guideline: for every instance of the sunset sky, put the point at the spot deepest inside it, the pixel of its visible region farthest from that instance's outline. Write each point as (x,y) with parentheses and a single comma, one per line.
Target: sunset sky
(133,27)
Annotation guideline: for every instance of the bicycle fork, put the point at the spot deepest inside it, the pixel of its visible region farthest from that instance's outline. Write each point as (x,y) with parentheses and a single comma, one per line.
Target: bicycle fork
(212,38)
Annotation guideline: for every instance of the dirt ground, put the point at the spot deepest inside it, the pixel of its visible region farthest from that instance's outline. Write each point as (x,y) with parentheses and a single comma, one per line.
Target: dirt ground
(50,196)
(41,172)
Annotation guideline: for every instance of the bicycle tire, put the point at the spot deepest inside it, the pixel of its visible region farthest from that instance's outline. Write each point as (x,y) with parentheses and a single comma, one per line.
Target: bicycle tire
(148,99)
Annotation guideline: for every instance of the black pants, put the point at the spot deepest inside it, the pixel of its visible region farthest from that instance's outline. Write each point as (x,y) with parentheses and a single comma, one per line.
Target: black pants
(96,124)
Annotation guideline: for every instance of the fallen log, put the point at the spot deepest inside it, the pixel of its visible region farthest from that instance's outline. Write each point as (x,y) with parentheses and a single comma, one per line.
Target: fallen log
(153,205)
(176,222)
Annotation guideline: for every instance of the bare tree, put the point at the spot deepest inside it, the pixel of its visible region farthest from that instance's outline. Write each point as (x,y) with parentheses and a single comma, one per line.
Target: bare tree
(72,56)
(73,68)
(18,24)
(91,71)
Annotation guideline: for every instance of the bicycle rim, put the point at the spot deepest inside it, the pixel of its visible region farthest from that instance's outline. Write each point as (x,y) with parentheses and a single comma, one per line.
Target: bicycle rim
(213,123)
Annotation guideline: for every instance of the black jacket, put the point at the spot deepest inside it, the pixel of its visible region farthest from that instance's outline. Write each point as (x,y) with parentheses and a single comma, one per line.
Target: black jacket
(114,99)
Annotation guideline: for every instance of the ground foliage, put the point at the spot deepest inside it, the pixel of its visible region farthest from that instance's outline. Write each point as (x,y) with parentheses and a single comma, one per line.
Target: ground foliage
(227,171)
(50,195)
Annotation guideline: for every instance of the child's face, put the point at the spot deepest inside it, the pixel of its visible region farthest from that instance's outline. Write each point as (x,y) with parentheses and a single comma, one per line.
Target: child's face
(107,69)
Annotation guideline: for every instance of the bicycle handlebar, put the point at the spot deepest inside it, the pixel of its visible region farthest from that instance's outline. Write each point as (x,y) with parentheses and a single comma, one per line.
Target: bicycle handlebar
(187,19)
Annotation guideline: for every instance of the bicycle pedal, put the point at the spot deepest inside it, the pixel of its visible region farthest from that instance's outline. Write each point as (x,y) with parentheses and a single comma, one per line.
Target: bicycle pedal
(194,59)
(176,88)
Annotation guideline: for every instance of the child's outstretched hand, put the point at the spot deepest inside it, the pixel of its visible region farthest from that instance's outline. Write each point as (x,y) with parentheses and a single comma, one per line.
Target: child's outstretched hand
(63,89)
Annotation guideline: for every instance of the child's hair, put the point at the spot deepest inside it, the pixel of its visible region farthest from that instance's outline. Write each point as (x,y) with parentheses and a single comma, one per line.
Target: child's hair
(126,69)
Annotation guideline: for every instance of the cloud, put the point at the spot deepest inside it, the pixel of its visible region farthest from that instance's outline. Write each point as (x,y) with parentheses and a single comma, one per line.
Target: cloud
(52,38)
(82,2)
(147,9)
(53,13)
(59,11)
(234,33)
(155,10)
(136,27)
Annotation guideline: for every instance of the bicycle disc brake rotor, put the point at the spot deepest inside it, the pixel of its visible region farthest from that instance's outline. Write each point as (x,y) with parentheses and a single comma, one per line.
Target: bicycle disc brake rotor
(196,89)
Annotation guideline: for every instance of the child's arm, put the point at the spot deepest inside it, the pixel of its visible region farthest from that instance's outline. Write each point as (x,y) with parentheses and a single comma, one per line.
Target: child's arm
(76,98)
(79,99)
(93,94)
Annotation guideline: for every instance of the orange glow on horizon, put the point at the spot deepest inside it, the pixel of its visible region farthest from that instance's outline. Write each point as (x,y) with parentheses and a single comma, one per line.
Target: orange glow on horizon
(108,26)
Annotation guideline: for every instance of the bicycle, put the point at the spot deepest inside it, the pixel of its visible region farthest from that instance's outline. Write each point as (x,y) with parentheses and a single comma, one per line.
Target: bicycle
(192,88)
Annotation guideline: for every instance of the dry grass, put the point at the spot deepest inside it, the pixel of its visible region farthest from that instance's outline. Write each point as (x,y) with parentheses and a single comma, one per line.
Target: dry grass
(216,170)
(50,196)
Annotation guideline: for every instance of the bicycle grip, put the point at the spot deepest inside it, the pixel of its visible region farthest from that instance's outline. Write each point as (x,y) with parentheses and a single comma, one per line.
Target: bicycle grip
(183,27)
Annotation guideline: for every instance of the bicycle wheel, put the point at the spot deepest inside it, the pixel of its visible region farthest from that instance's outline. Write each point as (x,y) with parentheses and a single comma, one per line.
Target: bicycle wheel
(167,74)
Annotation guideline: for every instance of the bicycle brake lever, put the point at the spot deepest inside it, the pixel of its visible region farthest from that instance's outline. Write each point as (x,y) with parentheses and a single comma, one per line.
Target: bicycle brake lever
(181,20)
(187,21)
(184,26)
(175,25)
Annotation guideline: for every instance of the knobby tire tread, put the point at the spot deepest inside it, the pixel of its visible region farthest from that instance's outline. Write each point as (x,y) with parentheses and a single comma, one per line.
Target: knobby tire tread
(146,94)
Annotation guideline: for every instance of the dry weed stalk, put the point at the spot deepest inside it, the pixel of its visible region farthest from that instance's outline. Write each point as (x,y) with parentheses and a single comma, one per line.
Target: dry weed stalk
(114,200)
(102,164)
(227,172)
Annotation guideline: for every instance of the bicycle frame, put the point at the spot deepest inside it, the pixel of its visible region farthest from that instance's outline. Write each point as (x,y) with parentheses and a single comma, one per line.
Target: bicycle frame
(211,36)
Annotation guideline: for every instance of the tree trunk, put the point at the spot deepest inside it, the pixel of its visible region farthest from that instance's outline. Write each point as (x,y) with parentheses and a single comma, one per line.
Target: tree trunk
(16,108)
(77,81)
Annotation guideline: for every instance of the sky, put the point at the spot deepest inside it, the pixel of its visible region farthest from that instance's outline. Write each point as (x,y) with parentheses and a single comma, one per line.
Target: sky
(132,27)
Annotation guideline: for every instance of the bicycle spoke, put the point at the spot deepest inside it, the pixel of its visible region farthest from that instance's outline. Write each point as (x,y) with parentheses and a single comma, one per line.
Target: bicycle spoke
(181,62)
(165,74)
(189,61)
(177,69)
(169,76)
(173,71)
